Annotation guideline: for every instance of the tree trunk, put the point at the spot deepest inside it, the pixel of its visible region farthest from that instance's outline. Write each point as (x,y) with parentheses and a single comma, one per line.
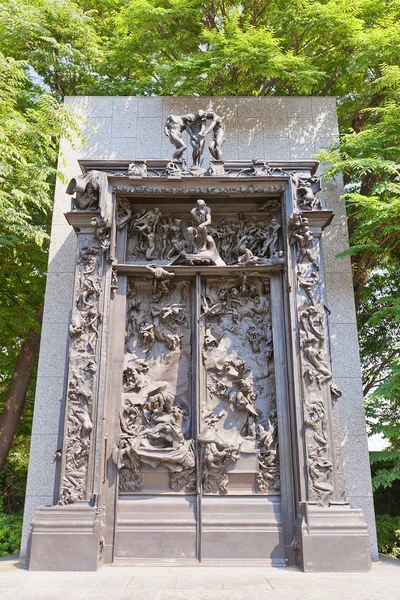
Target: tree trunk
(12,411)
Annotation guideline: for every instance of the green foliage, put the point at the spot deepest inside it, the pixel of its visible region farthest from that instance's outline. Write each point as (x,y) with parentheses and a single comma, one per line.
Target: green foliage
(388,532)
(350,49)
(10,533)
(30,126)
(369,160)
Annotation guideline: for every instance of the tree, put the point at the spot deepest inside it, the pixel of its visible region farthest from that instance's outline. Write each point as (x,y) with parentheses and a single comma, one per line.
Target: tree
(30,125)
(350,49)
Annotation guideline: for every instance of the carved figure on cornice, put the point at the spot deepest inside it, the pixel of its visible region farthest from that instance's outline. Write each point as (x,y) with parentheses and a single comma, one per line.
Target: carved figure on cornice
(163,282)
(306,190)
(198,139)
(218,132)
(86,189)
(137,169)
(174,128)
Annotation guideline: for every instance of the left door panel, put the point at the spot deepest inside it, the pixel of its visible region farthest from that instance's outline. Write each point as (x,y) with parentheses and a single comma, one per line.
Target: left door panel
(156,507)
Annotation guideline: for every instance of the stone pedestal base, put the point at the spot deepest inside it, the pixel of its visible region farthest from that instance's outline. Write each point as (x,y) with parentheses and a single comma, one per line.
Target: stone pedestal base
(65,538)
(333,538)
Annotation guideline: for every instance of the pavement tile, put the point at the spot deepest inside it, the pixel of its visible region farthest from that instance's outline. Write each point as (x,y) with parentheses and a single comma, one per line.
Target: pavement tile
(151,582)
(199,582)
(196,594)
(248,581)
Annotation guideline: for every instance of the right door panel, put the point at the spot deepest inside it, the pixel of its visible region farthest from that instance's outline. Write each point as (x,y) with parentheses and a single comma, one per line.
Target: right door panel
(238,433)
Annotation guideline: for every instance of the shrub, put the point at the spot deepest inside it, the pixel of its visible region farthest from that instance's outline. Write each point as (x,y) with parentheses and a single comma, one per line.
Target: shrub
(388,530)
(10,533)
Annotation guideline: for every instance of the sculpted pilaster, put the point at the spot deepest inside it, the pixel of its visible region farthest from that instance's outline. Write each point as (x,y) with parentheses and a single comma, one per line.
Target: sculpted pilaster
(324,469)
(85,332)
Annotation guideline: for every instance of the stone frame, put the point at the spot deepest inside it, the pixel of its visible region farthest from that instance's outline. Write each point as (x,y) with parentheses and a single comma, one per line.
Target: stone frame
(308,528)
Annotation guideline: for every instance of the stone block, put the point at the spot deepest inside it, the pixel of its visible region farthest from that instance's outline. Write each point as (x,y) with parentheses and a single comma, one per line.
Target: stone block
(301,136)
(97,134)
(357,473)
(276,129)
(275,109)
(59,297)
(230,148)
(62,251)
(100,106)
(149,137)
(249,108)
(334,241)
(49,400)
(150,107)
(340,297)
(331,196)
(324,143)
(174,105)
(124,117)
(123,148)
(62,201)
(299,107)
(366,504)
(251,139)
(351,407)
(31,504)
(42,468)
(324,117)
(344,348)
(276,148)
(53,350)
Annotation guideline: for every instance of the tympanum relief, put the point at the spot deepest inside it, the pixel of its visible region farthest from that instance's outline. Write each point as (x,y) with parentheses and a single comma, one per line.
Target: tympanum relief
(200,237)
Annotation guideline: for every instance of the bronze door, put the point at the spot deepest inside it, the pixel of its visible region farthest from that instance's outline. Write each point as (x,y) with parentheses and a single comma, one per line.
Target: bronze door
(197,455)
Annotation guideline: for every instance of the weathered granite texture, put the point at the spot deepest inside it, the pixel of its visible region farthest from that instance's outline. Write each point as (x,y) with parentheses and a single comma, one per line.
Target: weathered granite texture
(259,128)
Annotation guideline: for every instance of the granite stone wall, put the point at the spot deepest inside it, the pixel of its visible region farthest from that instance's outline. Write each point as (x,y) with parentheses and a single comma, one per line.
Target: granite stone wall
(259,128)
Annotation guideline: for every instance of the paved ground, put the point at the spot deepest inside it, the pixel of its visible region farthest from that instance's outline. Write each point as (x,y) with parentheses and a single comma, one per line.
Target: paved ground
(199,583)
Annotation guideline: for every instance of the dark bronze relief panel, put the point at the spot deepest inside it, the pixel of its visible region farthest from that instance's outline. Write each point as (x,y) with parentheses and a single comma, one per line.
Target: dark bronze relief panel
(247,233)
(238,424)
(156,449)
